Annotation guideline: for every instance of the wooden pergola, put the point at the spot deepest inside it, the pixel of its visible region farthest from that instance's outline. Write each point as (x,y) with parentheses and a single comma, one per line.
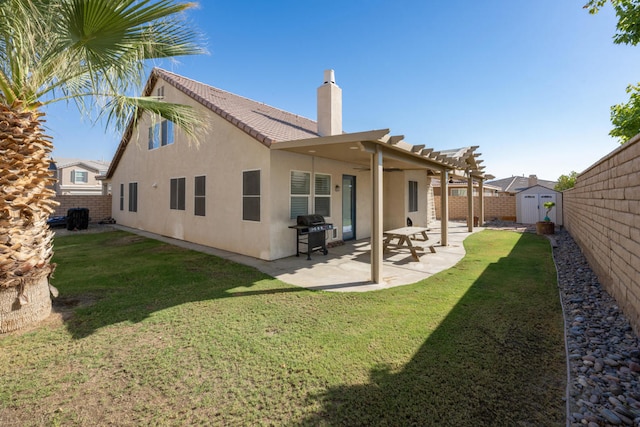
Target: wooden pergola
(378,151)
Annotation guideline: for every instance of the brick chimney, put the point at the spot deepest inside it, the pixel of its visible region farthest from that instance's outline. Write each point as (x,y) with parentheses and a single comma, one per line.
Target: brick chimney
(533,180)
(329,106)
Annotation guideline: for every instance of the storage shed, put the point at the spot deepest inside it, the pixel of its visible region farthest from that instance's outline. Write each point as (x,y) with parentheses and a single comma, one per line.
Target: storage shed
(530,205)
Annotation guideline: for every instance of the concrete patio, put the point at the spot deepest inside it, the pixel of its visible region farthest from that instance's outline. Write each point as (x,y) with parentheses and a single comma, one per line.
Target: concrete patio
(346,268)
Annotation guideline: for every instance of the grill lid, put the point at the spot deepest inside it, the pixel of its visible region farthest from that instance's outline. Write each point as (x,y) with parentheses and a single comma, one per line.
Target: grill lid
(310,220)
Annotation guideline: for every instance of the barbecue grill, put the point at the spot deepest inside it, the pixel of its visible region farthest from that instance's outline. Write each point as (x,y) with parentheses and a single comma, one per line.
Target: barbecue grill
(310,232)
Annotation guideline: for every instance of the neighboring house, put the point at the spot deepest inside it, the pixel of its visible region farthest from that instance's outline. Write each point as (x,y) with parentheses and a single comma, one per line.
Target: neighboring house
(78,177)
(245,181)
(516,184)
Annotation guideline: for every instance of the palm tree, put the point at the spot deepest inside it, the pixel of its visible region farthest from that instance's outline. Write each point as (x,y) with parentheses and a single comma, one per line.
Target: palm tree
(91,52)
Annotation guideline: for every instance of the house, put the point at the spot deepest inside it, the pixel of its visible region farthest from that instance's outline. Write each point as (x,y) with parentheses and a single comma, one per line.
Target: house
(77,176)
(243,183)
(515,184)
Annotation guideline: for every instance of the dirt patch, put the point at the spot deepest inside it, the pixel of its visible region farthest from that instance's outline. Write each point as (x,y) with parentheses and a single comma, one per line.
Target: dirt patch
(125,240)
(93,228)
(65,305)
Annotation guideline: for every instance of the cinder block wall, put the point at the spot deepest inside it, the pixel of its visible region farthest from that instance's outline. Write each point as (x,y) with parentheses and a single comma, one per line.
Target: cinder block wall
(503,207)
(99,206)
(602,214)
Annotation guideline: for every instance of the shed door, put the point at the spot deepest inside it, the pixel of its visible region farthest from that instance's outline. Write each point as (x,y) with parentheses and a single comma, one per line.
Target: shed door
(530,214)
(544,198)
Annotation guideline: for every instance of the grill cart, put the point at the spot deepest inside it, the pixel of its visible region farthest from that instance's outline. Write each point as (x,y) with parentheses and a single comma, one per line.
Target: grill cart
(310,232)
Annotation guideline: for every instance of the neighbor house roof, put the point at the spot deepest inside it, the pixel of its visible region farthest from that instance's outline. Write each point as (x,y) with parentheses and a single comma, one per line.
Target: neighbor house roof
(515,184)
(96,165)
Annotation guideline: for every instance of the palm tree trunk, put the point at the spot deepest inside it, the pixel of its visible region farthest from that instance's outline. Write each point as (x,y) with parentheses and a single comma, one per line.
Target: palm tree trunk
(25,204)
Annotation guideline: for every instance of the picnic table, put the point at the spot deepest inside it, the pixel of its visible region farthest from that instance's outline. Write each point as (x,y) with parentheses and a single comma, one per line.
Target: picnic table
(404,236)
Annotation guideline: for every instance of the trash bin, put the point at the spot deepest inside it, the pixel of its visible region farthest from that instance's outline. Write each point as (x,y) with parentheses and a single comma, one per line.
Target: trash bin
(475,221)
(77,219)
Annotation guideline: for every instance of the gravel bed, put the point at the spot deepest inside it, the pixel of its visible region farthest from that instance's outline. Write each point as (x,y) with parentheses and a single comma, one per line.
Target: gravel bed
(602,349)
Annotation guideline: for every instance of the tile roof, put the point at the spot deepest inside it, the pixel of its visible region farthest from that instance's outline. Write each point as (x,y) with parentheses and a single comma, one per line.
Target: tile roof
(265,123)
(97,165)
(516,184)
(270,125)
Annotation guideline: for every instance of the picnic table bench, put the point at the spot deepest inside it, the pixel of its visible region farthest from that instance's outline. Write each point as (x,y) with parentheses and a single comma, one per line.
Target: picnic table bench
(404,236)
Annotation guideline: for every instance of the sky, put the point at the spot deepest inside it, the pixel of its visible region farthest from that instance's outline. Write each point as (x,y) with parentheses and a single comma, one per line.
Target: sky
(530,82)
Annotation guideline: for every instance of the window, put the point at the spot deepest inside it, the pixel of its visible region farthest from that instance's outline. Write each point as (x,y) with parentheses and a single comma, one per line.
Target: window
(300,193)
(79,177)
(251,195)
(413,196)
(161,134)
(177,196)
(200,185)
(167,133)
(459,192)
(154,136)
(322,198)
(121,197)
(133,197)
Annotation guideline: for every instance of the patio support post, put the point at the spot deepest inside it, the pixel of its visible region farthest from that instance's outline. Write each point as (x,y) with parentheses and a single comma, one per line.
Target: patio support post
(469,202)
(444,207)
(481,202)
(377,231)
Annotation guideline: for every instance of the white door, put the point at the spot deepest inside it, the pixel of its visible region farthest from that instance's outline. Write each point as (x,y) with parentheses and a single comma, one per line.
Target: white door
(529,209)
(544,198)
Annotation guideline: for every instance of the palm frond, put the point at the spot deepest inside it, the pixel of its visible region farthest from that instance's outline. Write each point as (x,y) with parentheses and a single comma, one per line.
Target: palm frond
(188,119)
(92,51)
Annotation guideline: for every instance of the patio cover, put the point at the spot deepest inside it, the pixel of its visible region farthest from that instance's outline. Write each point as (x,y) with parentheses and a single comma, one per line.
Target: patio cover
(378,151)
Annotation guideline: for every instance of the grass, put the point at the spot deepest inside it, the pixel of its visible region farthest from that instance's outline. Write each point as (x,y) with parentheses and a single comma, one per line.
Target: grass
(165,336)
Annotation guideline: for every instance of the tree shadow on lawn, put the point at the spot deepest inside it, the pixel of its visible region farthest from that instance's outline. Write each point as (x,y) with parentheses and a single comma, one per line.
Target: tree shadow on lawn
(136,277)
(496,359)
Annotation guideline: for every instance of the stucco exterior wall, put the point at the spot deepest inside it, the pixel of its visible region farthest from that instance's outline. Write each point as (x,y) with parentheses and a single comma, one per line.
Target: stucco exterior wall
(99,206)
(420,218)
(221,155)
(602,213)
(502,207)
(282,163)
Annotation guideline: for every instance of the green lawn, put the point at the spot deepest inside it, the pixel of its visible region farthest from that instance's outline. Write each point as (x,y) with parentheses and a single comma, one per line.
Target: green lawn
(167,336)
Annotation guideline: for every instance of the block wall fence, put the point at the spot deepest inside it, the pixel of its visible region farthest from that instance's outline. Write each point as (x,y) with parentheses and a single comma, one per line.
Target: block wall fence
(502,207)
(99,206)
(602,214)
